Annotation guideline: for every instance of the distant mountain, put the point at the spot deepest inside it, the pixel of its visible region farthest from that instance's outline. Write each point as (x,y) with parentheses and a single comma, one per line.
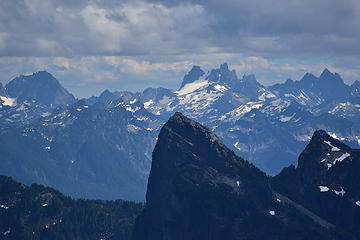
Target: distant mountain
(28,98)
(41,87)
(39,212)
(355,89)
(194,74)
(98,151)
(326,181)
(269,126)
(311,90)
(2,90)
(199,189)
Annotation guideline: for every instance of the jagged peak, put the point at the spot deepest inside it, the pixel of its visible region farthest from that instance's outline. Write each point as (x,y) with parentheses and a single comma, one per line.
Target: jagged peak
(106,92)
(249,78)
(328,75)
(185,127)
(224,67)
(326,72)
(356,83)
(43,74)
(222,74)
(289,81)
(180,119)
(196,68)
(308,76)
(194,74)
(39,77)
(321,137)
(41,86)
(2,90)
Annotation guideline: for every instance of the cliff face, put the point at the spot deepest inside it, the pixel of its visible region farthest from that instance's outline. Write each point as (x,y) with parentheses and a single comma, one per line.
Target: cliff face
(326,181)
(199,189)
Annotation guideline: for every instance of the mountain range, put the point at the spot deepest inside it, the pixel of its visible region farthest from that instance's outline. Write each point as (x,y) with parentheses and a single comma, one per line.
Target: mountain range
(100,147)
(200,189)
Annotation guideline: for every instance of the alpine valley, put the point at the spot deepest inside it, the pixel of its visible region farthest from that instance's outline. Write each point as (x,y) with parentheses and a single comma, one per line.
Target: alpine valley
(100,147)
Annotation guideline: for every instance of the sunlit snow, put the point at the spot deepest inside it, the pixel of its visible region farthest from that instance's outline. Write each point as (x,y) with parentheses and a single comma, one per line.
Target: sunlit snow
(333,148)
(324,188)
(8,101)
(191,87)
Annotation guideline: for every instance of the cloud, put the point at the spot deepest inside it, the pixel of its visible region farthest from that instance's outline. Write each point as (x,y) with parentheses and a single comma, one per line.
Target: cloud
(140,27)
(132,44)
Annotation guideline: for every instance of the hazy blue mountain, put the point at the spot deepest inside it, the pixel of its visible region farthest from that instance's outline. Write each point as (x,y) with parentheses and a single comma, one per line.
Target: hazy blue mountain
(27,98)
(269,126)
(355,89)
(41,87)
(2,90)
(98,151)
(255,120)
(312,90)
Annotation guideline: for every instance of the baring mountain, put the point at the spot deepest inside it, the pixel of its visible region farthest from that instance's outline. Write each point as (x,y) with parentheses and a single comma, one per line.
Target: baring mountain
(109,139)
(199,189)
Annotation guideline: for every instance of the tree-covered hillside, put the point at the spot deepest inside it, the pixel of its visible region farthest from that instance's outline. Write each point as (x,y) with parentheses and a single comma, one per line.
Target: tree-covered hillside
(39,212)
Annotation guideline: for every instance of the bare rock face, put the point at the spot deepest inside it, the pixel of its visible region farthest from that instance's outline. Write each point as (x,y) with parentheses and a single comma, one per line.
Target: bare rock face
(326,181)
(199,189)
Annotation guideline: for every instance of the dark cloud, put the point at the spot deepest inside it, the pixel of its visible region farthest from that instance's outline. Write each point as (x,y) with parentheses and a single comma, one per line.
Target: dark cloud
(53,28)
(157,40)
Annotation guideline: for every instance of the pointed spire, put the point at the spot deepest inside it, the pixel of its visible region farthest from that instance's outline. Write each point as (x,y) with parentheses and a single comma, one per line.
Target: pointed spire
(194,74)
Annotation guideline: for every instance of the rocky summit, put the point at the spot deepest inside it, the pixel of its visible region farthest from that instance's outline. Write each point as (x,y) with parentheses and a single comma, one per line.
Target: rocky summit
(199,189)
(326,181)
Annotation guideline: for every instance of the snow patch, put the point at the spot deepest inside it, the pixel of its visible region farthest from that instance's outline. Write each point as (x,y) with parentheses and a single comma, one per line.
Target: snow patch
(342,192)
(342,157)
(240,111)
(45,114)
(3,206)
(236,145)
(333,148)
(324,188)
(8,101)
(130,109)
(220,88)
(7,232)
(148,103)
(286,118)
(191,87)
(333,135)
(133,128)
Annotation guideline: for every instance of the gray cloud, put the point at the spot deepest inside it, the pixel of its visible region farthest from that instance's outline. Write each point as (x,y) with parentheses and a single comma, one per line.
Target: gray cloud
(132,44)
(72,28)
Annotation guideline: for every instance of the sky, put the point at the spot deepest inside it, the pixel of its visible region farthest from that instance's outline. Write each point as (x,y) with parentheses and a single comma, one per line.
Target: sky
(93,45)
